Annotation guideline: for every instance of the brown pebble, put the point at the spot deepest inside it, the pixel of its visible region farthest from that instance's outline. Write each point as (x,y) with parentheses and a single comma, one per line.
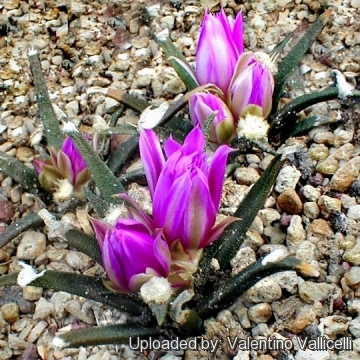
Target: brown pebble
(7,211)
(321,229)
(290,202)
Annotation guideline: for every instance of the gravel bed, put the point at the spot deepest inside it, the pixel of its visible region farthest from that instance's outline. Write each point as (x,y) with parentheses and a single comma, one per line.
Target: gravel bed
(313,211)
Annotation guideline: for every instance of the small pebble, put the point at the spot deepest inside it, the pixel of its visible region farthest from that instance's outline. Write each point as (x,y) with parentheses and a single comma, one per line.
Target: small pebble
(43,309)
(338,221)
(352,255)
(287,179)
(78,260)
(246,176)
(355,188)
(321,229)
(266,290)
(316,180)
(344,152)
(260,313)
(306,251)
(325,137)
(312,292)
(269,216)
(311,193)
(311,210)
(290,202)
(354,212)
(328,205)
(346,175)
(7,211)
(354,327)
(36,332)
(260,330)
(296,233)
(353,276)
(31,246)
(318,152)
(327,166)
(32,293)
(10,312)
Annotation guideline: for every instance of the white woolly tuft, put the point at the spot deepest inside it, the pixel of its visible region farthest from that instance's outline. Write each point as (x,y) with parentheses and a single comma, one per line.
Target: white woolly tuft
(253,127)
(64,190)
(274,256)
(59,343)
(345,89)
(27,275)
(157,290)
(114,213)
(69,127)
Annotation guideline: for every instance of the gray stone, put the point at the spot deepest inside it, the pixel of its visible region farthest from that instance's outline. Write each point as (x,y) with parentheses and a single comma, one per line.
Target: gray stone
(354,327)
(354,212)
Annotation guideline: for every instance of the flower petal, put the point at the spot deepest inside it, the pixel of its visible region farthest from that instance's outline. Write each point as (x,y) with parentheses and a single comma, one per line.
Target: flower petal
(199,214)
(136,212)
(162,254)
(169,209)
(152,157)
(194,141)
(100,228)
(217,230)
(113,267)
(171,146)
(217,172)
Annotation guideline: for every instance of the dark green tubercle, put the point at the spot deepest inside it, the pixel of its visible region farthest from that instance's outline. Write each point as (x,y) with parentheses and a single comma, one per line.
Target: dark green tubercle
(52,131)
(231,239)
(23,175)
(288,112)
(292,59)
(91,288)
(104,178)
(84,243)
(17,227)
(102,335)
(225,294)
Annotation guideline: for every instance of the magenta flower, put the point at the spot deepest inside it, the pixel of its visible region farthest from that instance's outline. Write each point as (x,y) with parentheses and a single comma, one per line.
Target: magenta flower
(185,188)
(222,128)
(251,88)
(131,254)
(220,44)
(66,163)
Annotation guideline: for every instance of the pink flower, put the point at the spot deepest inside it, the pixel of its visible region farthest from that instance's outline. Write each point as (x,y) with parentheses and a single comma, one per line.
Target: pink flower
(66,163)
(185,188)
(203,105)
(131,254)
(251,88)
(220,44)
